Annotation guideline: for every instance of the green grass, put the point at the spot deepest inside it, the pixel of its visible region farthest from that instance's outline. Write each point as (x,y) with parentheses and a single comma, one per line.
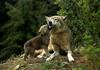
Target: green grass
(52,65)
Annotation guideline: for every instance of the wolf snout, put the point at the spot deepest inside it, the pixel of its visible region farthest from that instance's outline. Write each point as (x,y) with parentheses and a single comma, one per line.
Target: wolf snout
(50,25)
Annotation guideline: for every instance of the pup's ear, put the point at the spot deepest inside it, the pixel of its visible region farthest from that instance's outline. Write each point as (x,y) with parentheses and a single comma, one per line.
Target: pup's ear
(39,31)
(43,28)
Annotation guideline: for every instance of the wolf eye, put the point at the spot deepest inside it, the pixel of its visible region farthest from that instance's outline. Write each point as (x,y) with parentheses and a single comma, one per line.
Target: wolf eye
(56,19)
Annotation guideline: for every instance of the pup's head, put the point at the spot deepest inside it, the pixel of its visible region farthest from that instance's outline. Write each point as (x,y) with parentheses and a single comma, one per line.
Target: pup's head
(54,21)
(43,29)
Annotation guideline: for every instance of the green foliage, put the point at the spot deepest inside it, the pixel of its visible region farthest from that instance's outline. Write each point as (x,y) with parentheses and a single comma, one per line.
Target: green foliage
(52,65)
(81,20)
(93,55)
(7,52)
(25,18)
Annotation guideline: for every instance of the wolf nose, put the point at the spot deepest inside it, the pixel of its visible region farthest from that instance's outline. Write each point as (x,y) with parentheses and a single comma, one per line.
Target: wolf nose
(50,23)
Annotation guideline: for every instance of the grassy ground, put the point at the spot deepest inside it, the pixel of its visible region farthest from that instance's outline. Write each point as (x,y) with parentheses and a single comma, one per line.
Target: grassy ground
(58,63)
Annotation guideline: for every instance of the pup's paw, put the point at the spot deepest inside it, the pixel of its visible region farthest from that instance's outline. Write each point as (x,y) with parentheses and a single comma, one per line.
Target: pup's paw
(40,56)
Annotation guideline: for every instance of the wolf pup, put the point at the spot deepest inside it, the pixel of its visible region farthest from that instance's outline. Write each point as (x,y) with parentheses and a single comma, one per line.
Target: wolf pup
(60,36)
(41,41)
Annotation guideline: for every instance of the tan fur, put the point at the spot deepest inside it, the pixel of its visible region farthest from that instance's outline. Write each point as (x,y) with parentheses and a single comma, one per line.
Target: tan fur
(60,34)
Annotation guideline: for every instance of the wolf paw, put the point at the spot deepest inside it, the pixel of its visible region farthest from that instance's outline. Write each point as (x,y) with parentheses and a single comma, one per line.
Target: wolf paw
(52,56)
(48,59)
(70,58)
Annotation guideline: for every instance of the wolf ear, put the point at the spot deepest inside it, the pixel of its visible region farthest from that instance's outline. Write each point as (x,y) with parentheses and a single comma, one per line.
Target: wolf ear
(63,17)
(46,17)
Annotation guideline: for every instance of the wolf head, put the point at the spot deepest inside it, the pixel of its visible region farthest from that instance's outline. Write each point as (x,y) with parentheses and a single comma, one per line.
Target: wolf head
(43,29)
(54,21)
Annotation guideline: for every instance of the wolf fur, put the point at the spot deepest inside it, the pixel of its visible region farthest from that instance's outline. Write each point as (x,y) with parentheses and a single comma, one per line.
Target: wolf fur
(41,41)
(60,36)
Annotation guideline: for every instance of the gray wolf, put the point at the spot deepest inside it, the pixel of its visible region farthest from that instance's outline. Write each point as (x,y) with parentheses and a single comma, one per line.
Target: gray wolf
(60,36)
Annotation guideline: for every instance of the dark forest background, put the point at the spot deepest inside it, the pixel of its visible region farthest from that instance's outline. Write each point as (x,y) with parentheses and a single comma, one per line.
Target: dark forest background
(21,19)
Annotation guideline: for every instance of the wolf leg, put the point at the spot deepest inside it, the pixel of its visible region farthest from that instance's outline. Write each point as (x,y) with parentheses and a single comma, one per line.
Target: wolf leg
(69,53)
(56,53)
(52,56)
(70,57)
(42,54)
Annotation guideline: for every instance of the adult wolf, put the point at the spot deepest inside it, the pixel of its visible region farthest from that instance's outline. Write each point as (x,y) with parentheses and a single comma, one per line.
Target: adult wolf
(60,36)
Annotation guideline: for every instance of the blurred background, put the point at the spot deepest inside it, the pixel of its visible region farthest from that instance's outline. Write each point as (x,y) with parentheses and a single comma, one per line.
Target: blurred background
(21,19)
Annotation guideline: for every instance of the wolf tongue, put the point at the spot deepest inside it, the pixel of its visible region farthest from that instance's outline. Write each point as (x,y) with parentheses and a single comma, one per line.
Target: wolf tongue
(49,27)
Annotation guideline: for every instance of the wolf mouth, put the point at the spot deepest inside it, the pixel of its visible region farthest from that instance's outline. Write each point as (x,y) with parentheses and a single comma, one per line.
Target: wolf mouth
(50,25)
